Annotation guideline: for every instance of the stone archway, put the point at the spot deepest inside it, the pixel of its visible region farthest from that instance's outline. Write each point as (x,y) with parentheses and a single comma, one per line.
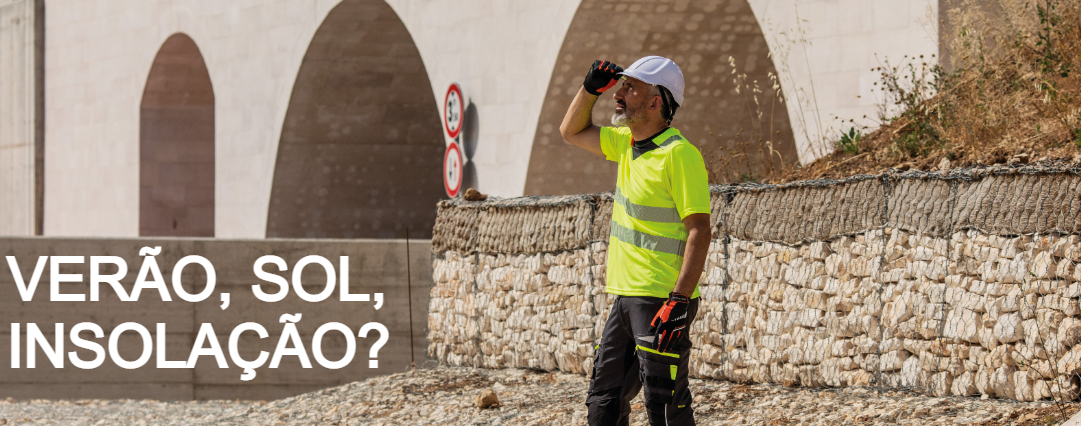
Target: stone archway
(700,36)
(176,144)
(361,148)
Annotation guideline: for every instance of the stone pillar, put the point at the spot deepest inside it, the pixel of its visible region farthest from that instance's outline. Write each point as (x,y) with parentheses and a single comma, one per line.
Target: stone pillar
(20,116)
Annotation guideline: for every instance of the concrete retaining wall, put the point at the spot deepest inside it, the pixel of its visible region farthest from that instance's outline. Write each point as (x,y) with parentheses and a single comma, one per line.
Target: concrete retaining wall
(961,283)
(375,267)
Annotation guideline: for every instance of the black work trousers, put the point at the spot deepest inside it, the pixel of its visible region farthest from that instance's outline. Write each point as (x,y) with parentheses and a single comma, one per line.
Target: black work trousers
(626,363)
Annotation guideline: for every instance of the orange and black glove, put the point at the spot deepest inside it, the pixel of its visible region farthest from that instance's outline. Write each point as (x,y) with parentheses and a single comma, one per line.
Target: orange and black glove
(669,326)
(602,76)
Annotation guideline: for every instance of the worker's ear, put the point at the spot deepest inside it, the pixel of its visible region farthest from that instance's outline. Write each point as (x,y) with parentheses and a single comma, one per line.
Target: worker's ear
(657,103)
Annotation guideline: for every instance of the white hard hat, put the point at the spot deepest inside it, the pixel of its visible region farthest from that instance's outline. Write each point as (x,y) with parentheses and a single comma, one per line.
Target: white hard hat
(658,71)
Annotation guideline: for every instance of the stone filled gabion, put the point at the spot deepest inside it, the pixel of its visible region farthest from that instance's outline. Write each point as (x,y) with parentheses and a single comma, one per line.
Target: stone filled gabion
(522,225)
(525,311)
(958,284)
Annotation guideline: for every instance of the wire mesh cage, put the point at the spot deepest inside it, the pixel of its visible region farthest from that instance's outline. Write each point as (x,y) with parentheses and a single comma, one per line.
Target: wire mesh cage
(953,283)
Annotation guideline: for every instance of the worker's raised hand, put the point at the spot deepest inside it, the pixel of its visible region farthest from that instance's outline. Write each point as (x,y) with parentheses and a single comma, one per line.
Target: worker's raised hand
(669,326)
(602,76)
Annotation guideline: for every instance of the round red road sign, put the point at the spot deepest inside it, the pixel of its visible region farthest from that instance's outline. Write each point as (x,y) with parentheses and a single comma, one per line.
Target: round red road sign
(453,108)
(452,170)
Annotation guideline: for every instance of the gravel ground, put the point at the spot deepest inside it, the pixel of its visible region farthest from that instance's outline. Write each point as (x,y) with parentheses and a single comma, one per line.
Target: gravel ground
(446,396)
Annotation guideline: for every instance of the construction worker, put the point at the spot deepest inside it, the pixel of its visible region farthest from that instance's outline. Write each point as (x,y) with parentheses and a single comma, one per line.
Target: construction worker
(659,239)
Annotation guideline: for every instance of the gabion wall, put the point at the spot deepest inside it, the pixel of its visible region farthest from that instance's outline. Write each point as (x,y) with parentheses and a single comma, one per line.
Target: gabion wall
(960,283)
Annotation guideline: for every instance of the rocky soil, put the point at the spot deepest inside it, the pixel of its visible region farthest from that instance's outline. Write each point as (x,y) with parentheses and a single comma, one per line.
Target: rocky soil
(448,396)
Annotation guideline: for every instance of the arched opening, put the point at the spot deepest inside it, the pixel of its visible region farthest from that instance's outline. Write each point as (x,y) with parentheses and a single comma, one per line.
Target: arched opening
(361,148)
(176,144)
(700,36)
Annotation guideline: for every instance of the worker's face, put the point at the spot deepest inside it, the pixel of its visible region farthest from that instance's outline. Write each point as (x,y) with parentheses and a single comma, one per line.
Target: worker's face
(633,101)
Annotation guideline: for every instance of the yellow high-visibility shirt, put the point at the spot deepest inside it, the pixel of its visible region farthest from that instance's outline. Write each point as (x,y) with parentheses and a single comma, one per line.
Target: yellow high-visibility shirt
(660,182)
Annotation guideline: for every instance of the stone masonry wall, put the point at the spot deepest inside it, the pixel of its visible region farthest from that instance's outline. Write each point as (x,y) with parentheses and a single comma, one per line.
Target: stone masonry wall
(960,283)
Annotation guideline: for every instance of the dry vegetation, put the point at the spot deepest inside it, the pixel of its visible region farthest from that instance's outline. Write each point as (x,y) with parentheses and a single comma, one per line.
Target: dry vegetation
(1013,93)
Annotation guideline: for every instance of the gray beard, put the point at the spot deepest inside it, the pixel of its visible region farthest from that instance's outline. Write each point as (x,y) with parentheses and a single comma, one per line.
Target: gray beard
(620,119)
(629,117)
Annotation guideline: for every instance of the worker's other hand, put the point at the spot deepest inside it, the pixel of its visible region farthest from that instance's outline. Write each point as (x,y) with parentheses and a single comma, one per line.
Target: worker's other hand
(602,76)
(669,326)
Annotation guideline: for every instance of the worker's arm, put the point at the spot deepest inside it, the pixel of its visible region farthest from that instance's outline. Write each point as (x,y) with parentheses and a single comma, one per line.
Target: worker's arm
(694,256)
(578,127)
(670,325)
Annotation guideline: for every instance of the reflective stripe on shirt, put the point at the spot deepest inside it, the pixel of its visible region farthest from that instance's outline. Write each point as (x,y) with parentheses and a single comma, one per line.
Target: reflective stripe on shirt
(669,140)
(647,213)
(646,241)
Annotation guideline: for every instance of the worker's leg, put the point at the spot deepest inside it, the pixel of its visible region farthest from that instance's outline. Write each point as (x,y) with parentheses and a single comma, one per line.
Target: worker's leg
(678,412)
(614,381)
(664,375)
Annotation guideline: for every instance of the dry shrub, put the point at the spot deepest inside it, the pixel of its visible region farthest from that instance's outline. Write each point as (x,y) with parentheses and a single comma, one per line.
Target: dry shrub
(1014,88)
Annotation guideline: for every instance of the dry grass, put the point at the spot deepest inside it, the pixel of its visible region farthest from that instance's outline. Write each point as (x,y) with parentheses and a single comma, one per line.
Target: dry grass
(750,152)
(1015,89)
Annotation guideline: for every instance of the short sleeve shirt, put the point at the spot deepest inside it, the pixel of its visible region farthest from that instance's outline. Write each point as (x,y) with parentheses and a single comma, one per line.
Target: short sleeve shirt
(659,183)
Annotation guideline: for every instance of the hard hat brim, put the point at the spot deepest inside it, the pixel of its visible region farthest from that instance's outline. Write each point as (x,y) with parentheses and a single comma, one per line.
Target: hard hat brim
(637,76)
(646,78)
